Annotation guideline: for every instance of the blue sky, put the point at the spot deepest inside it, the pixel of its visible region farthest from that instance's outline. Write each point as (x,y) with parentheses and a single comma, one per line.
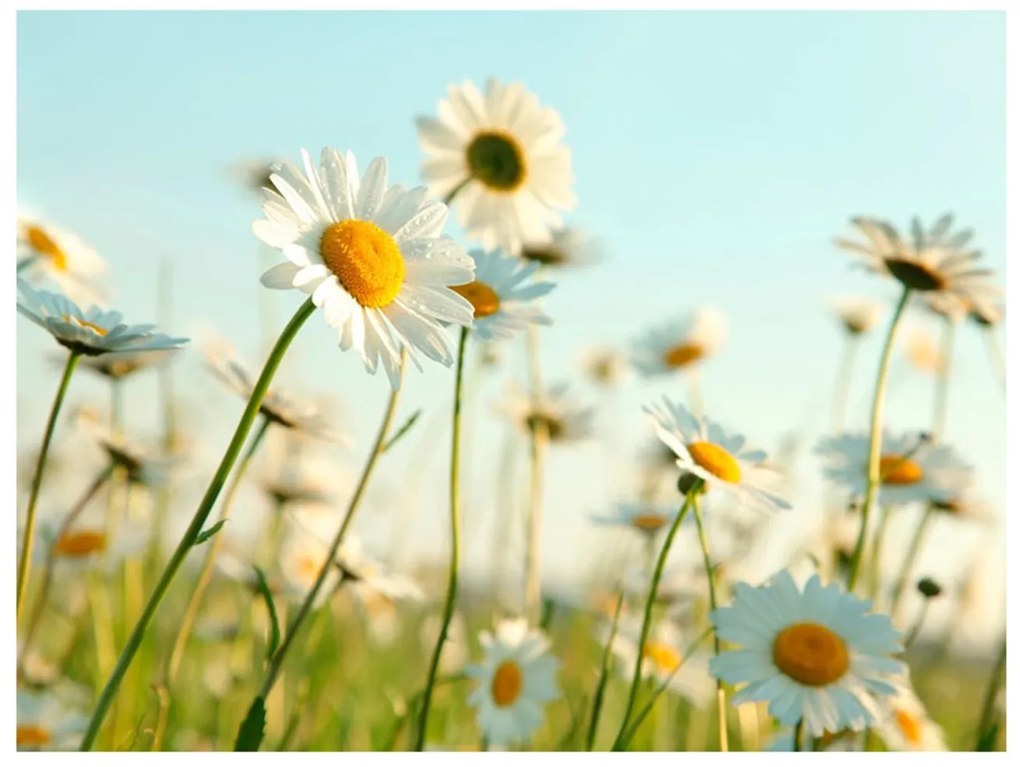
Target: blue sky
(717,155)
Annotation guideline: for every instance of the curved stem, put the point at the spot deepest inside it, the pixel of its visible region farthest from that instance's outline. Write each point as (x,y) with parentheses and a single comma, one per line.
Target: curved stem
(451,588)
(28,537)
(940,405)
(918,623)
(875,446)
(198,520)
(841,389)
(994,683)
(600,687)
(908,561)
(646,620)
(720,691)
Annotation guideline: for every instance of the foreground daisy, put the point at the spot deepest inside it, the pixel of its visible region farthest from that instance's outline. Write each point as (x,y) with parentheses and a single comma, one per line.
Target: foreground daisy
(47,250)
(47,724)
(678,345)
(563,420)
(91,332)
(913,469)
(503,295)
(370,255)
(857,315)
(906,725)
(499,153)
(721,459)
(515,679)
(816,655)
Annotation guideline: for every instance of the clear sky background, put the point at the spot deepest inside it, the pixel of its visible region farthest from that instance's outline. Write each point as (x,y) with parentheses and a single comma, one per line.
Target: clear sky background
(717,155)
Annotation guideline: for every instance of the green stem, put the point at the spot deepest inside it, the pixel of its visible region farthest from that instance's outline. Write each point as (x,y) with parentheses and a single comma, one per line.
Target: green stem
(451,588)
(918,623)
(941,402)
(994,683)
(798,736)
(28,537)
(995,356)
(538,439)
(198,521)
(646,620)
(720,691)
(600,687)
(875,569)
(908,561)
(875,445)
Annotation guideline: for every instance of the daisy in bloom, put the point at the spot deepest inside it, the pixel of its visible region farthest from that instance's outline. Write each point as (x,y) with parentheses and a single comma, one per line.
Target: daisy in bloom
(604,366)
(907,726)
(370,255)
(568,246)
(930,263)
(47,250)
(912,467)
(118,365)
(502,295)
(646,518)
(563,420)
(721,459)
(816,655)
(92,332)
(681,344)
(499,153)
(47,724)
(857,315)
(140,466)
(516,678)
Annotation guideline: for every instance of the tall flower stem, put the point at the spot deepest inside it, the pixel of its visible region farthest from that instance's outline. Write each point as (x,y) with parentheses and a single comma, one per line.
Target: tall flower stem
(995,356)
(720,691)
(205,576)
(646,621)
(198,520)
(451,587)
(600,687)
(913,549)
(539,439)
(276,662)
(875,445)
(992,692)
(28,537)
(841,389)
(941,403)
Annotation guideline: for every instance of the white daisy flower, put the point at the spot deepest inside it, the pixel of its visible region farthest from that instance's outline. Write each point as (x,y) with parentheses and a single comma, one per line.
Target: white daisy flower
(646,518)
(141,466)
(567,246)
(47,250)
(913,469)
(721,459)
(118,365)
(907,726)
(680,344)
(502,295)
(45,723)
(930,263)
(605,366)
(92,332)
(563,420)
(516,678)
(988,316)
(254,174)
(856,314)
(816,655)
(370,255)
(86,545)
(500,153)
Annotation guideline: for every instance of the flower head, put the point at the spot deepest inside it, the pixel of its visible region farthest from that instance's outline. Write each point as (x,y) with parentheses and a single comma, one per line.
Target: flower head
(680,344)
(47,250)
(816,654)
(564,247)
(645,518)
(45,723)
(604,366)
(503,295)
(906,725)
(553,410)
(118,365)
(857,315)
(499,152)
(370,255)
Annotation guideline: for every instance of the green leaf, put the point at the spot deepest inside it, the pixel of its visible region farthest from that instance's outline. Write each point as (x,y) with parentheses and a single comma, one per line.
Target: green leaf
(253,728)
(207,534)
(988,738)
(274,621)
(402,430)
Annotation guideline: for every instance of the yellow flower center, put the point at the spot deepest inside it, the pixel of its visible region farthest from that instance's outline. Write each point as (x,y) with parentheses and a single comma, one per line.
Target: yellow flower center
(81,543)
(665,658)
(42,243)
(682,355)
(715,460)
(649,522)
(909,726)
(309,566)
(365,260)
(507,683)
(897,470)
(554,427)
(97,329)
(483,298)
(810,654)
(915,275)
(33,736)
(497,160)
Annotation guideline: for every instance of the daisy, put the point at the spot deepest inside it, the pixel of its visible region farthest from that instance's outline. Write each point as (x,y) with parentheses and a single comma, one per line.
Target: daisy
(721,459)
(857,315)
(988,316)
(564,247)
(370,255)
(92,332)
(930,263)
(47,724)
(604,366)
(907,726)
(118,365)
(680,344)
(499,152)
(563,420)
(515,679)
(912,467)
(922,351)
(140,466)
(255,174)
(47,250)
(646,518)
(502,295)
(816,655)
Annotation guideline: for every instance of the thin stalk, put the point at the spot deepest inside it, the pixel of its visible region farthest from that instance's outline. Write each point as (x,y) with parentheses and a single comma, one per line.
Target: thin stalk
(451,588)
(909,560)
(276,662)
(940,406)
(918,623)
(798,736)
(600,687)
(28,537)
(875,445)
(538,439)
(720,691)
(198,521)
(841,390)
(995,356)
(646,620)
(875,569)
(994,683)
